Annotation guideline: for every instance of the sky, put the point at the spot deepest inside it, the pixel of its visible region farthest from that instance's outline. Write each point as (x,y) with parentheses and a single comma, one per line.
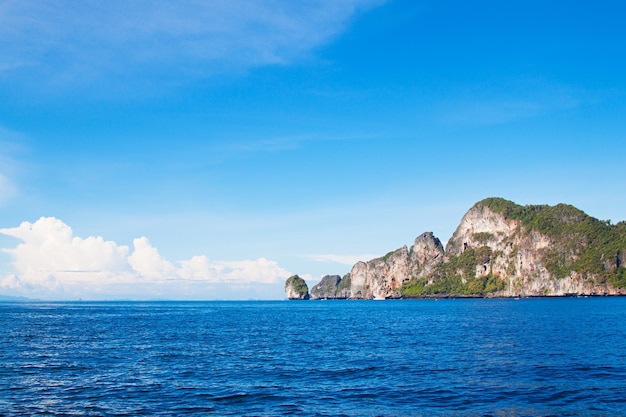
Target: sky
(209,150)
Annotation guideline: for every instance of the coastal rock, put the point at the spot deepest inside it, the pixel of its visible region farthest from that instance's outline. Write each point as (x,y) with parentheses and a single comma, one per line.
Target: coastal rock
(384,277)
(296,288)
(426,254)
(332,287)
(499,249)
(534,250)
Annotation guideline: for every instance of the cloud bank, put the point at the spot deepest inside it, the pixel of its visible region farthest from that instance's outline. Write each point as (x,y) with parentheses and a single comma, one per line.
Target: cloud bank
(67,42)
(50,262)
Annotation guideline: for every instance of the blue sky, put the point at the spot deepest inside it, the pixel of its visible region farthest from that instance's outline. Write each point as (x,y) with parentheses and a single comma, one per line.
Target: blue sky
(192,150)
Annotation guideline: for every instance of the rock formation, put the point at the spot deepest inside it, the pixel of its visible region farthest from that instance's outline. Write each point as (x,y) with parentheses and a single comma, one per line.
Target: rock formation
(296,288)
(498,249)
(333,287)
(384,277)
(538,250)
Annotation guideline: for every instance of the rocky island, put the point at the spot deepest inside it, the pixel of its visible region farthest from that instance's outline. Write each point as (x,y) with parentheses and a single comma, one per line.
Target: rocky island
(296,288)
(499,249)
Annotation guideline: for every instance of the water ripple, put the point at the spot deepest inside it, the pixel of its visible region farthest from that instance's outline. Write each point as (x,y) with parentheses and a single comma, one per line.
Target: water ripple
(452,357)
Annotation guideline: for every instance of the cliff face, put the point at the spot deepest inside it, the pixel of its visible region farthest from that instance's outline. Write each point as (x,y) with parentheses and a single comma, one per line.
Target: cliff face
(509,253)
(498,249)
(384,277)
(426,255)
(504,250)
(538,250)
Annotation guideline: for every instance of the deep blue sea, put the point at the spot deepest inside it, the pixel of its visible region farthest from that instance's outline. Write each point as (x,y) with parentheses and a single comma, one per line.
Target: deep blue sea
(464,357)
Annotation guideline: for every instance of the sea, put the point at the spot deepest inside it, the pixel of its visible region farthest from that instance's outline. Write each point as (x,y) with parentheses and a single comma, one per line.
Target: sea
(447,357)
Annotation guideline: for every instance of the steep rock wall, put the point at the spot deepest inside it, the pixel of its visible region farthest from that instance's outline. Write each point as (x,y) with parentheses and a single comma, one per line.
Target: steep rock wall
(383,277)
(498,249)
(519,256)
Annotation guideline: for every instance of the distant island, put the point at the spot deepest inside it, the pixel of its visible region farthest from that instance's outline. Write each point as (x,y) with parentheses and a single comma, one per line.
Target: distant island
(500,249)
(14,298)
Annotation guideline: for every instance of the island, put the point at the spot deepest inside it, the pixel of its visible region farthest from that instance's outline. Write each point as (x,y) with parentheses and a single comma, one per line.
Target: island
(296,288)
(499,249)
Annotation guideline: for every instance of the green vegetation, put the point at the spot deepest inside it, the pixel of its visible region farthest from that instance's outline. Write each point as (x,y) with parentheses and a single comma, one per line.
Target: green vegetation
(298,284)
(453,285)
(583,244)
(390,254)
(344,283)
(444,285)
(483,237)
(458,276)
(466,263)
(593,248)
(618,279)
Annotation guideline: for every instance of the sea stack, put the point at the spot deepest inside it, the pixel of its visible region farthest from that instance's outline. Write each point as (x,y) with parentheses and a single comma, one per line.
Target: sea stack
(296,288)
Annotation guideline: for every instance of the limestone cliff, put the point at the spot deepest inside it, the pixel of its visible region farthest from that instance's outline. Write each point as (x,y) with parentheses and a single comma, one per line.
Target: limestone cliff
(499,249)
(384,277)
(503,249)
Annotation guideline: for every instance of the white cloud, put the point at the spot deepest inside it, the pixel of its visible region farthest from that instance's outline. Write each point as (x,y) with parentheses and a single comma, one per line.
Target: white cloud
(10,282)
(92,38)
(198,268)
(147,261)
(49,255)
(50,262)
(260,270)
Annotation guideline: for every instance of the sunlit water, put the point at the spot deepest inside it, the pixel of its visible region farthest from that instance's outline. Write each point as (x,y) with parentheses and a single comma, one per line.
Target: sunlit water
(352,358)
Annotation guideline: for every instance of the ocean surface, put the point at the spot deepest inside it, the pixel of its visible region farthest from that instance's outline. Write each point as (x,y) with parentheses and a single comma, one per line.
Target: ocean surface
(464,357)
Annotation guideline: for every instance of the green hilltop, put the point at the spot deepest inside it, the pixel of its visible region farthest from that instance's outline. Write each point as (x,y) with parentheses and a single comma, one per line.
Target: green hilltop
(592,248)
(499,249)
(595,247)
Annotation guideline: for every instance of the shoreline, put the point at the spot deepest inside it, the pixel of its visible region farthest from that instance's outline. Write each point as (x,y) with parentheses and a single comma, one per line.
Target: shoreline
(465,296)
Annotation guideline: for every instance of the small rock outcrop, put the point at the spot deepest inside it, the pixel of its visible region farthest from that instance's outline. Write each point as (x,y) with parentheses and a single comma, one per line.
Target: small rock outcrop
(296,288)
